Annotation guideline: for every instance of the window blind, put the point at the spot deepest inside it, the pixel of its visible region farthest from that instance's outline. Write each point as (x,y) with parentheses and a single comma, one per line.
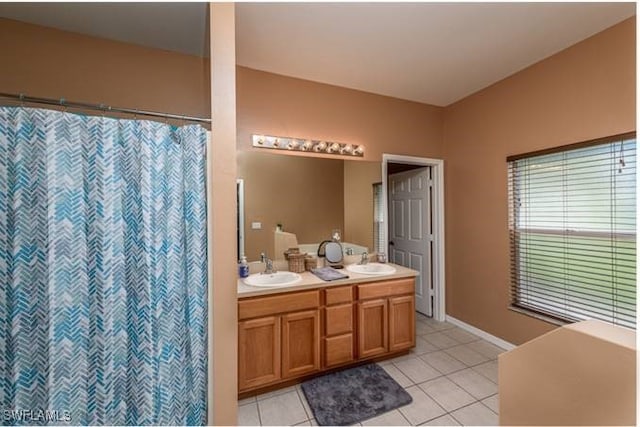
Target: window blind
(572,223)
(378,218)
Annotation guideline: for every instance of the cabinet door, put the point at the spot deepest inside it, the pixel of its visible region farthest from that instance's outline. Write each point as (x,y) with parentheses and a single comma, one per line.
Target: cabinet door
(372,328)
(300,343)
(258,352)
(402,322)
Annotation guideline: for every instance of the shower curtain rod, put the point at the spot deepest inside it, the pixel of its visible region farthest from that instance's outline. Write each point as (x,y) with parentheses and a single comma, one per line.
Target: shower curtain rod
(99,107)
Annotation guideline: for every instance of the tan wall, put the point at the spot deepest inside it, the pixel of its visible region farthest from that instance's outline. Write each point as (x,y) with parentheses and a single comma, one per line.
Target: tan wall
(359,178)
(283,106)
(584,92)
(221,198)
(303,194)
(46,62)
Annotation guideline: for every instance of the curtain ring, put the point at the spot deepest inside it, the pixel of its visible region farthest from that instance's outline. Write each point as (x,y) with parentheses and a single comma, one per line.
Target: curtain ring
(22,99)
(63,104)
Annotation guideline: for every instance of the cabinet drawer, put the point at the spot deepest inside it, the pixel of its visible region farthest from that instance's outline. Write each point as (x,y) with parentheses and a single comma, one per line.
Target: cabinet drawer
(338,319)
(285,303)
(338,295)
(383,289)
(338,349)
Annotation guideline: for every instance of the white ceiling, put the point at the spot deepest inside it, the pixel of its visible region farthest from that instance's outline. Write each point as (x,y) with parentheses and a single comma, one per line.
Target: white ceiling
(436,53)
(179,27)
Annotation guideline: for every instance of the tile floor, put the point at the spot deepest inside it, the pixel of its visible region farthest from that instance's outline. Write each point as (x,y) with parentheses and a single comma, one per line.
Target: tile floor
(451,374)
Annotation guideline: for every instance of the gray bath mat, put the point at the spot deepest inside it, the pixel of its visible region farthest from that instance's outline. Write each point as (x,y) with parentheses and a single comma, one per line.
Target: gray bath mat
(353,395)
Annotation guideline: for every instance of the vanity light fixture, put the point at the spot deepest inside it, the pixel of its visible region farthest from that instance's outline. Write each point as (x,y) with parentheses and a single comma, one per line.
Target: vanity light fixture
(296,144)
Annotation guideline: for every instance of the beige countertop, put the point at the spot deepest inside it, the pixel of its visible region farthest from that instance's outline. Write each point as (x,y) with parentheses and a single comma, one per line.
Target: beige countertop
(311,281)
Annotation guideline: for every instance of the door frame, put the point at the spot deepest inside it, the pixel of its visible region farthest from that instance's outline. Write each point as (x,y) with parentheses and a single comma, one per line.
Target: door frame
(240,195)
(437,206)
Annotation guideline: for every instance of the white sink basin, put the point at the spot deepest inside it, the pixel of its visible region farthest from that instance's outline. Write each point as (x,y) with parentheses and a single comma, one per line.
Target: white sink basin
(281,278)
(372,268)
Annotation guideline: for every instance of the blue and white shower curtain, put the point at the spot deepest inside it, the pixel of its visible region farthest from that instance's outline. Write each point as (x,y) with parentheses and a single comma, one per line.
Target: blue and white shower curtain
(103,274)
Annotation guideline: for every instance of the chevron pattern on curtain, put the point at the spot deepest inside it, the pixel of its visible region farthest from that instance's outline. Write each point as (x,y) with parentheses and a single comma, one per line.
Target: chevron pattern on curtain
(103,268)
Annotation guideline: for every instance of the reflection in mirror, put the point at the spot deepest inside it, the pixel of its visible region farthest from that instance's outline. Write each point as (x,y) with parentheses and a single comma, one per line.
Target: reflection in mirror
(298,201)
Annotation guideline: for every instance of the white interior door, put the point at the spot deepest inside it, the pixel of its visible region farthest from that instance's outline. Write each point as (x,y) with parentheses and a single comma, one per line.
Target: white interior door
(410,229)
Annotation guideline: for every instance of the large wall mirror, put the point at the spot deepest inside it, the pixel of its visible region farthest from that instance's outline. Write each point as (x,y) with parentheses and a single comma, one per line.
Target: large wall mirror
(309,198)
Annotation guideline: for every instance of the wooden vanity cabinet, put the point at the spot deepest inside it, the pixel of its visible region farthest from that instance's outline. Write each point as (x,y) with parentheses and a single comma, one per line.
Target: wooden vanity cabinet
(296,334)
(386,317)
(278,338)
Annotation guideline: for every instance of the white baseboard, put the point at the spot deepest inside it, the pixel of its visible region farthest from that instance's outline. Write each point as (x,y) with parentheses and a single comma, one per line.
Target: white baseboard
(482,334)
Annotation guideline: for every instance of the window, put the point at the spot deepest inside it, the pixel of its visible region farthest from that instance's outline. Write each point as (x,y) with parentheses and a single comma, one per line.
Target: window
(378,219)
(572,223)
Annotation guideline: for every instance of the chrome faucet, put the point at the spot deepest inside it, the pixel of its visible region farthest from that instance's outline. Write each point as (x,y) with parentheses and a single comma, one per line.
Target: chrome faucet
(365,258)
(268,268)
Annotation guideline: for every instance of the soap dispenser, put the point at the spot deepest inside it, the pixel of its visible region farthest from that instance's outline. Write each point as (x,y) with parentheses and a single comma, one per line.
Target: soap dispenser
(243,267)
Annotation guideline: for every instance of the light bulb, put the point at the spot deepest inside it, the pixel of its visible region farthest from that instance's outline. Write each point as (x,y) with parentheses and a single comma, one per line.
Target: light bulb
(333,148)
(321,146)
(346,149)
(307,145)
(358,151)
(293,144)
